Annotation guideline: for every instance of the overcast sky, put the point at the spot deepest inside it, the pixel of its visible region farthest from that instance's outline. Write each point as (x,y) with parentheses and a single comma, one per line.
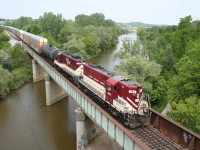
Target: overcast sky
(147,11)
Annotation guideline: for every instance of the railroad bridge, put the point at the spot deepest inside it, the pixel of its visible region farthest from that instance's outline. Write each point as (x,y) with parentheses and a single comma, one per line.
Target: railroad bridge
(90,117)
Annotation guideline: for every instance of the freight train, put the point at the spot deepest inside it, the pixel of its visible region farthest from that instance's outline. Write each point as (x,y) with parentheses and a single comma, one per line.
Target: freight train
(122,96)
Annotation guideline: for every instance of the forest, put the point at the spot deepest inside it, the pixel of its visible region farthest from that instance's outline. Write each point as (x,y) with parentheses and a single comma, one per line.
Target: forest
(15,65)
(165,59)
(87,36)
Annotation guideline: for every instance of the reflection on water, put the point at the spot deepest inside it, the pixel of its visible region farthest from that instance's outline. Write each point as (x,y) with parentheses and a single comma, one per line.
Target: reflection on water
(105,59)
(26,123)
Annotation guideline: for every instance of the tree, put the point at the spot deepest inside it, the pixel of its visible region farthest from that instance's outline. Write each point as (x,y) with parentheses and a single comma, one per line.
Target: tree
(188,74)
(182,36)
(187,113)
(23,22)
(51,40)
(19,56)
(105,38)
(131,48)
(196,29)
(6,59)
(34,28)
(76,47)
(4,39)
(140,70)
(91,45)
(85,20)
(51,24)
(142,33)
(89,30)
(109,23)
(159,93)
(4,81)
(99,17)
(68,29)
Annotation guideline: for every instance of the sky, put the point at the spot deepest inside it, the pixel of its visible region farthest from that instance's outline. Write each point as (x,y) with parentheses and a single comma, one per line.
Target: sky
(146,11)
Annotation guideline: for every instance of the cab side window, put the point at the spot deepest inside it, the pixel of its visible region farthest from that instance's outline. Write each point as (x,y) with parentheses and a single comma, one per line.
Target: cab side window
(116,88)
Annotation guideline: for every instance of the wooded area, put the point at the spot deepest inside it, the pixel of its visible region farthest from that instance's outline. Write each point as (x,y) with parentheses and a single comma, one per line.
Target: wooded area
(15,65)
(166,61)
(87,36)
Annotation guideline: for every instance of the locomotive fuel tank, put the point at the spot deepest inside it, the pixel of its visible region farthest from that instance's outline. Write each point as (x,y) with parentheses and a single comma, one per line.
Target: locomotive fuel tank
(49,51)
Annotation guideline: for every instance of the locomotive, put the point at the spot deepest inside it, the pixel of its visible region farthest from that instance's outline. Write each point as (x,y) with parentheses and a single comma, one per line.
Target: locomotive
(122,96)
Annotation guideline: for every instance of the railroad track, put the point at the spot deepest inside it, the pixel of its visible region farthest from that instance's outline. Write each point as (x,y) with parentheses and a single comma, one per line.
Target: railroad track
(12,35)
(154,139)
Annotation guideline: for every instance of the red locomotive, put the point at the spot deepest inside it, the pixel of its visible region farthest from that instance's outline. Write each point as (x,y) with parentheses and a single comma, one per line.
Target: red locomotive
(122,95)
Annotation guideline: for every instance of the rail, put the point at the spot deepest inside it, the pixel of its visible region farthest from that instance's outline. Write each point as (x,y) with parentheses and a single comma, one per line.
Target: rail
(178,133)
(161,126)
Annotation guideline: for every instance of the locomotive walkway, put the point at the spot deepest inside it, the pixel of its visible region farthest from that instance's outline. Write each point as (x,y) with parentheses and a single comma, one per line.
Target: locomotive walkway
(166,129)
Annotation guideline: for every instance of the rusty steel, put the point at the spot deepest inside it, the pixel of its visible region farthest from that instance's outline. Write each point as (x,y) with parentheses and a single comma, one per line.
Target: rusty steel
(163,133)
(169,133)
(178,133)
(154,139)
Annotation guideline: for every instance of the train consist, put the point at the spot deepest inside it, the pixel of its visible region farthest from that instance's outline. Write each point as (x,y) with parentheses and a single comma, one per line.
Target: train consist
(122,96)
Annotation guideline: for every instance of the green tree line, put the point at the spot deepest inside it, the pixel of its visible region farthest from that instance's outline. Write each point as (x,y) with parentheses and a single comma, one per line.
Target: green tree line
(166,60)
(87,36)
(15,65)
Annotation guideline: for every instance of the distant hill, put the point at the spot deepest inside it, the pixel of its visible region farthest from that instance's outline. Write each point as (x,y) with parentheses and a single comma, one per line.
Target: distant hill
(136,24)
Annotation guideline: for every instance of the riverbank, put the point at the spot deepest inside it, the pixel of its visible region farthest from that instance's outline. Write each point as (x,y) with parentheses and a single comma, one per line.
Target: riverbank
(15,71)
(15,64)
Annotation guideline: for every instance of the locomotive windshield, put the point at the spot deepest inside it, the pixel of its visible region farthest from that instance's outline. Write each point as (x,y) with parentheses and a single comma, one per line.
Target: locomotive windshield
(133,92)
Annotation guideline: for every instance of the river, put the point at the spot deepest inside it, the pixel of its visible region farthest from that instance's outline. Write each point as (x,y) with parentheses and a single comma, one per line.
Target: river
(26,123)
(105,59)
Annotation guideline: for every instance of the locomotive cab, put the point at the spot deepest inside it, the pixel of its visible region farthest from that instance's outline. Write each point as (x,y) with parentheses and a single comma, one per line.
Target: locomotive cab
(111,90)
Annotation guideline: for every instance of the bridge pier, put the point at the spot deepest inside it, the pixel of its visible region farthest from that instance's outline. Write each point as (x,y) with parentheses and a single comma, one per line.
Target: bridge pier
(54,92)
(86,130)
(38,72)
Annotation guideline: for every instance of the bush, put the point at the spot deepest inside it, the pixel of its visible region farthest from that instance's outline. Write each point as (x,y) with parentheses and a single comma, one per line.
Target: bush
(4,81)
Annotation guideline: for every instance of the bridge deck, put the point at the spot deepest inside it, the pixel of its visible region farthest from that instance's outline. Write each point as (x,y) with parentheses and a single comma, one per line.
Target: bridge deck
(112,127)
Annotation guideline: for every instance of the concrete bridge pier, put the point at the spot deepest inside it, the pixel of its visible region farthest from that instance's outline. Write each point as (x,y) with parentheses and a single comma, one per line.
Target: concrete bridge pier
(86,130)
(38,72)
(54,92)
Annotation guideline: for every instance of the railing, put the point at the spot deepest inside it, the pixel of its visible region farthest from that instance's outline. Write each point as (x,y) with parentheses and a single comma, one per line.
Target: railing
(113,128)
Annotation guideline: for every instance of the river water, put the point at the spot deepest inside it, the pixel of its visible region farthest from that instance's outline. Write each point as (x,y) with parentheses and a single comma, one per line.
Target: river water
(26,123)
(105,59)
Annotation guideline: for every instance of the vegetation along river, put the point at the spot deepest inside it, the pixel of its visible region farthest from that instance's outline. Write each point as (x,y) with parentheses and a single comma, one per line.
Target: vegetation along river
(26,123)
